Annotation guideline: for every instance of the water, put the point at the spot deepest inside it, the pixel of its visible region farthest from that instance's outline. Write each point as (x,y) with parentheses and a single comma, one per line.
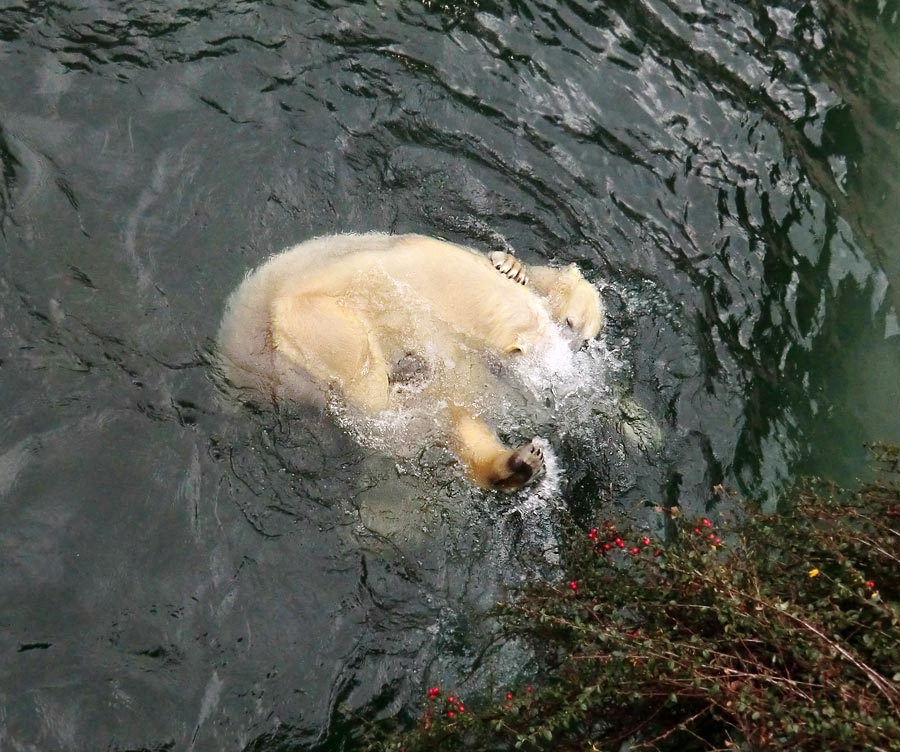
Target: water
(182,573)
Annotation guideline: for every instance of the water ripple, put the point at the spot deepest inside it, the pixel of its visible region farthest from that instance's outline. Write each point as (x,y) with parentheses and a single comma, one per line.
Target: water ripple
(724,172)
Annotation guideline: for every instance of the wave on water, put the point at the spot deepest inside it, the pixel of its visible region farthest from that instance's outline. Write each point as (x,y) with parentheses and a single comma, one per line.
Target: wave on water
(552,386)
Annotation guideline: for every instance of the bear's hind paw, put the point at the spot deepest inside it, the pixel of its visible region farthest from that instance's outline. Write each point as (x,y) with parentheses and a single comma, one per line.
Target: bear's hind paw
(522,466)
(509,266)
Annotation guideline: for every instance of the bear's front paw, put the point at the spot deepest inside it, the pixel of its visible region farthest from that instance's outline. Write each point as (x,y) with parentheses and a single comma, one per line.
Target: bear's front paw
(521,466)
(509,266)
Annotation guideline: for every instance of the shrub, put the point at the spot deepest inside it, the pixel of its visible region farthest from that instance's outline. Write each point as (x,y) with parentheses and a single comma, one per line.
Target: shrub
(773,632)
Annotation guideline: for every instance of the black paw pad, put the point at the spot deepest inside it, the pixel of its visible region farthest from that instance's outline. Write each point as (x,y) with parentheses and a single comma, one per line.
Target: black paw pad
(522,465)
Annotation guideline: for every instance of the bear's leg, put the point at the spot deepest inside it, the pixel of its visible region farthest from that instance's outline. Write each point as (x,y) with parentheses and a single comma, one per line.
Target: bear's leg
(489,463)
(334,343)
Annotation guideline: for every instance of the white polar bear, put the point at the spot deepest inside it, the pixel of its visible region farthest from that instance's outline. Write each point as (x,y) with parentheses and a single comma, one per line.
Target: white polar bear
(367,315)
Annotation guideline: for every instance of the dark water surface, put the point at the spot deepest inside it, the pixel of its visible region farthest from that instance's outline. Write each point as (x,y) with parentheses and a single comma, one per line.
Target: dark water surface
(179,574)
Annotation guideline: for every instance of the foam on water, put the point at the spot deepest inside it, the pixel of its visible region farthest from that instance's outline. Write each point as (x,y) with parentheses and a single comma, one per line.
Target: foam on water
(552,386)
(553,371)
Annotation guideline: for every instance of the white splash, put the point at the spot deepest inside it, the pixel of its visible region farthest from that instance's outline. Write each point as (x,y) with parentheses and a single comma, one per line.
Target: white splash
(554,374)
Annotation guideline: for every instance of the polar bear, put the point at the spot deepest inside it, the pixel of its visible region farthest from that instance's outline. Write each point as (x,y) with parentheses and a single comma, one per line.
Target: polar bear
(364,316)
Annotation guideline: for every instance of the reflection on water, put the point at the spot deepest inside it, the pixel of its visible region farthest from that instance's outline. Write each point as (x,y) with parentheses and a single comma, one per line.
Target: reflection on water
(180,572)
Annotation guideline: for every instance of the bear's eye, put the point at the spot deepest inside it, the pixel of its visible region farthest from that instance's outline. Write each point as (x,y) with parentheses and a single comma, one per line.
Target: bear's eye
(570,323)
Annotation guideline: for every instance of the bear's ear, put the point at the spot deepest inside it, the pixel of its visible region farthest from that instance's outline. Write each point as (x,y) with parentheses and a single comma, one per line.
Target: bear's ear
(573,272)
(518,347)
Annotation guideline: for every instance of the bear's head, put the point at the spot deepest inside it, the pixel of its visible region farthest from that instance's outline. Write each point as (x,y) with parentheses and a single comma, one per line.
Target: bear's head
(575,303)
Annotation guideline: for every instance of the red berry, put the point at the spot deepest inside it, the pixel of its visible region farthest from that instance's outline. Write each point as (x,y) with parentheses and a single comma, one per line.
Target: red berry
(449,713)
(645,540)
(509,696)
(870,583)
